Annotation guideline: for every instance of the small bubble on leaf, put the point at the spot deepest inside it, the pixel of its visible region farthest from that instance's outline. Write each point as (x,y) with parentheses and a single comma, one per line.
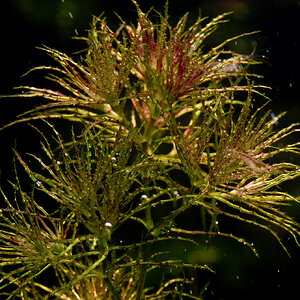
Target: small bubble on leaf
(274,118)
(176,193)
(107,224)
(144,197)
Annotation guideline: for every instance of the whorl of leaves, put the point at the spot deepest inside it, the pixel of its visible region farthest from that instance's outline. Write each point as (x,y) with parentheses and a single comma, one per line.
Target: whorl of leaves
(151,104)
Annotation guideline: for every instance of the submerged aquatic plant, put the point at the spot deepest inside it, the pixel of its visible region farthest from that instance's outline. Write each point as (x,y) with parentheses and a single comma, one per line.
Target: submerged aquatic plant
(164,127)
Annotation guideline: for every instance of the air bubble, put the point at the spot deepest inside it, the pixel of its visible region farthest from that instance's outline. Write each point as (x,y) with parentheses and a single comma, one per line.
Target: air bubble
(176,193)
(107,224)
(144,197)
(58,162)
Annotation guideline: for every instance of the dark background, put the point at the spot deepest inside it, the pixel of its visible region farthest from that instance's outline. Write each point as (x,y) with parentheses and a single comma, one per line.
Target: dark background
(27,24)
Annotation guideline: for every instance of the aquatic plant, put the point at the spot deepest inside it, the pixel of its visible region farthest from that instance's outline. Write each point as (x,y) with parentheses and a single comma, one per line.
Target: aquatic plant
(163,127)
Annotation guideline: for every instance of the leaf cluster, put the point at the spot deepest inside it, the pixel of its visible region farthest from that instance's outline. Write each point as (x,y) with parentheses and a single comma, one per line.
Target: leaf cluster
(165,127)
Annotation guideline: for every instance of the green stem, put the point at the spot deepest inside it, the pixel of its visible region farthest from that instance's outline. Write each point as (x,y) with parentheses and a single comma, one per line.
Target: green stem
(140,288)
(111,287)
(143,273)
(149,221)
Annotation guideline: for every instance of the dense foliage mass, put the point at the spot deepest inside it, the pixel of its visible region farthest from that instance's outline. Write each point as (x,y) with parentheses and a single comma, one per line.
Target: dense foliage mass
(164,127)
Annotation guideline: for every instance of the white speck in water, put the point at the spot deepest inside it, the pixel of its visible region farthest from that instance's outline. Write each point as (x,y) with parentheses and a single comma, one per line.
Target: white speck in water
(113,158)
(38,183)
(291,85)
(237,277)
(58,162)
(192,278)
(217,222)
(76,32)
(176,194)
(70,14)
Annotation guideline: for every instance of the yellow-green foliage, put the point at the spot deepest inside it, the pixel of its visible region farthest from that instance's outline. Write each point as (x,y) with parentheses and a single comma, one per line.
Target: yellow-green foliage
(151,104)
